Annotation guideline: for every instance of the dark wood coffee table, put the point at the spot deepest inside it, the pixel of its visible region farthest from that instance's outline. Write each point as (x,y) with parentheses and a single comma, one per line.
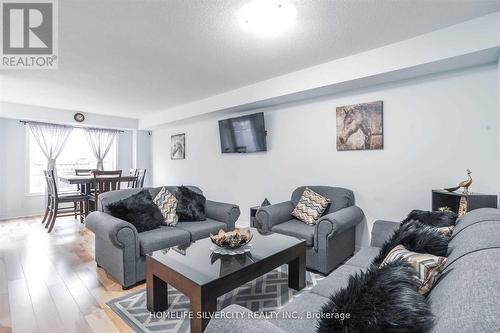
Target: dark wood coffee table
(203,276)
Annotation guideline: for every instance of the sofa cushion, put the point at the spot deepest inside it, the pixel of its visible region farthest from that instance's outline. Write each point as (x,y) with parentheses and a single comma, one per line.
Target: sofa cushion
(416,237)
(476,237)
(381,231)
(467,296)
(364,257)
(201,229)
(427,266)
(162,238)
(138,209)
(310,207)
(300,306)
(167,203)
(379,300)
(340,197)
(475,217)
(337,280)
(190,205)
(297,229)
(433,219)
(446,231)
(172,189)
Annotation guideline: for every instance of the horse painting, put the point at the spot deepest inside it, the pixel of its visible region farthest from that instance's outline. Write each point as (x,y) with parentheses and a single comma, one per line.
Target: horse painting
(360,126)
(178,147)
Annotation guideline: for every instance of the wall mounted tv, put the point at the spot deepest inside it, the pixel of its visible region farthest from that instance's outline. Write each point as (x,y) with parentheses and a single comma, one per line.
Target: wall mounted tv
(246,134)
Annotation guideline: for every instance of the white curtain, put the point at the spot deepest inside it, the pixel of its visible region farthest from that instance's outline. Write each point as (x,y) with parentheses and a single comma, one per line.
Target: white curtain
(100,140)
(51,138)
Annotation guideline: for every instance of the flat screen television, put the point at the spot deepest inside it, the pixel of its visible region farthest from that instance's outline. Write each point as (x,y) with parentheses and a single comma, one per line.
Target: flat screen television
(246,134)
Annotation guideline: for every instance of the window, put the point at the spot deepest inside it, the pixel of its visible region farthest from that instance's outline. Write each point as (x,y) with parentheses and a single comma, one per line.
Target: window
(77,154)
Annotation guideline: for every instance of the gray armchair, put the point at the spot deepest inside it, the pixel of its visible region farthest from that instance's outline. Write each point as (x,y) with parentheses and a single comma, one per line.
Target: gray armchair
(331,240)
(121,250)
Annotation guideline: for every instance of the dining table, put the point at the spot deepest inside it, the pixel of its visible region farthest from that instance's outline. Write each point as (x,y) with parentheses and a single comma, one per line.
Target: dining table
(84,182)
(88,179)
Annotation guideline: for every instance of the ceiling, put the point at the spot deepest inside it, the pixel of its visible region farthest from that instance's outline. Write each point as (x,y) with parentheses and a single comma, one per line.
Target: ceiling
(132,58)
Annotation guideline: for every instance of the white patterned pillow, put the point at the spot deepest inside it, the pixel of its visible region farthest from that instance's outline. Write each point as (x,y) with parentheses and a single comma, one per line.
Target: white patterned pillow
(167,203)
(310,206)
(427,267)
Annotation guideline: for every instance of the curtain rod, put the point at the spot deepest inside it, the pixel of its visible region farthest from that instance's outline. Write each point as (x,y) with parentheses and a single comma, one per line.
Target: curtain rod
(24,122)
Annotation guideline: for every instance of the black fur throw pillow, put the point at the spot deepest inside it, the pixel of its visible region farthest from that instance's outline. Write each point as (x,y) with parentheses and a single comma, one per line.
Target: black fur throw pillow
(416,237)
(434,219)
(382,300)
(138,209)
(190,205)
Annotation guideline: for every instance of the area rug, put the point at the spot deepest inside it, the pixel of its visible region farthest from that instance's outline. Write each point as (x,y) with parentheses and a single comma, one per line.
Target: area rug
(266,293)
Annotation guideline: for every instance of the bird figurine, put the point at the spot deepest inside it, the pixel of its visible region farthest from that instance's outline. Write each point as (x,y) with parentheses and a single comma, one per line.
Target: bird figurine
(464,183)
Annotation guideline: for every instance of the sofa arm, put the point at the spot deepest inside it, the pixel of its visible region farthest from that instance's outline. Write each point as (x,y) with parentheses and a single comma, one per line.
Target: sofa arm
(223,212)
(337,222)
(237,319)
(272,215)
(119,232)
(382,230)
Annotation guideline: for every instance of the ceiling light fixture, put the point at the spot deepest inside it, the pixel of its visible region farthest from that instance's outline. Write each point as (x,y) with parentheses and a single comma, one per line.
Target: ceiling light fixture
(268,18)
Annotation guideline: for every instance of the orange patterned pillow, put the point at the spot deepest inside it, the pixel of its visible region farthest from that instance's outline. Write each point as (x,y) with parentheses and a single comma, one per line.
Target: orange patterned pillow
(427,267)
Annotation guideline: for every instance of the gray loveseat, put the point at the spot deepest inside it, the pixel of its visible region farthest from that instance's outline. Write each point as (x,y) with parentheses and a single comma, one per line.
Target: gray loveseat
(120,249)
(331,240)
(466,298)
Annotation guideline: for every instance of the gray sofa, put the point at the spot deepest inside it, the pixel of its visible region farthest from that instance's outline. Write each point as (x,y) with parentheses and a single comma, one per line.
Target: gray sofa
(466,298)
(120,249)
(331,240)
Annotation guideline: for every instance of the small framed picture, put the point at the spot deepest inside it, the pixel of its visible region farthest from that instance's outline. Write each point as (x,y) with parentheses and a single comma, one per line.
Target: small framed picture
(178,147)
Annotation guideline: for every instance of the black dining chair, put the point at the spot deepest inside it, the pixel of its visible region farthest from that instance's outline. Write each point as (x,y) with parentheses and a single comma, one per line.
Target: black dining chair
(55,199)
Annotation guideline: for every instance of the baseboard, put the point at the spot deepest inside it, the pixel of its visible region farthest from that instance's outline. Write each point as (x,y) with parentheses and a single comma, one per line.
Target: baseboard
(5,218)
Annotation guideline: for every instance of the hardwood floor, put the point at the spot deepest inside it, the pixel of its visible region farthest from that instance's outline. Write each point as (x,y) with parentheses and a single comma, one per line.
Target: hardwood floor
(50,282)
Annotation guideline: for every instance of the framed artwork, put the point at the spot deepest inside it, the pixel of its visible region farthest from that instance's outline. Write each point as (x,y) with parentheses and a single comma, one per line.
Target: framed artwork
(360,126)
(178,147)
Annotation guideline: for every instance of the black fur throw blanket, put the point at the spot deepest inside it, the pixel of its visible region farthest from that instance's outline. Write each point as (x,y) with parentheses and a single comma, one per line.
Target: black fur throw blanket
(417,237)
(379,300)
(434,219)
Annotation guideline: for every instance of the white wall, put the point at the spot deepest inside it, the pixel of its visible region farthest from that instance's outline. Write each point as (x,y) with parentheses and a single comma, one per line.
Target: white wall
(142,154)
(498,115)
(14,200)
(435,127)
(3,140)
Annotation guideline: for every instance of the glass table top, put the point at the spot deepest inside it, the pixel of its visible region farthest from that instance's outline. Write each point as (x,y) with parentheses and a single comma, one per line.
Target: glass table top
(198,263)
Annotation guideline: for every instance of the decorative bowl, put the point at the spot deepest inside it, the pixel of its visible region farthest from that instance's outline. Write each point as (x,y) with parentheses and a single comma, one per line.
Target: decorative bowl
(231,240)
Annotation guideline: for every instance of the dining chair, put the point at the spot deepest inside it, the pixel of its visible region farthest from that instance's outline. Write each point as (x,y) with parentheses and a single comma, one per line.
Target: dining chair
(81,172)
(133,173)
(141,174)
(104,181)
(54,199)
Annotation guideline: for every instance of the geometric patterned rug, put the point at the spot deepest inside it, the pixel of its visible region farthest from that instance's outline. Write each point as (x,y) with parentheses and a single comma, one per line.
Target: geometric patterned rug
(266,293)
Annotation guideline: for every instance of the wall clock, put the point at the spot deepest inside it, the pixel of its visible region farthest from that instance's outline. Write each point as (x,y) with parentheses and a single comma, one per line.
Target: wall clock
(79,117)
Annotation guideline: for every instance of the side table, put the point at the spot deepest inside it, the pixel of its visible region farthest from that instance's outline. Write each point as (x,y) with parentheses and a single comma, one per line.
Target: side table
(442,198)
